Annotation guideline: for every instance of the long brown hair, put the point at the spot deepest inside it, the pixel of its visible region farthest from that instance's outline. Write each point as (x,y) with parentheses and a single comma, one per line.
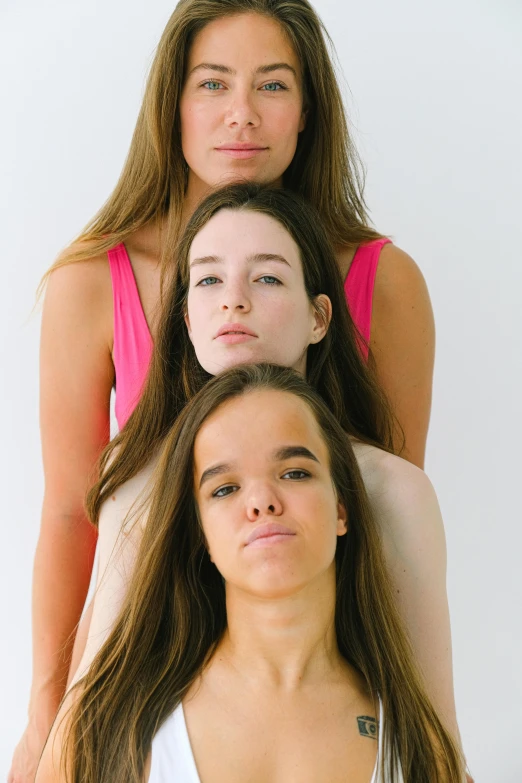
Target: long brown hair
(174,613)
(326,169)
(334,365)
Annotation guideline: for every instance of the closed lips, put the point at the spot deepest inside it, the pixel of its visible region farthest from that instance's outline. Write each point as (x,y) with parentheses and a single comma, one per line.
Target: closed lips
(235,329)
(268,531)
(241,147)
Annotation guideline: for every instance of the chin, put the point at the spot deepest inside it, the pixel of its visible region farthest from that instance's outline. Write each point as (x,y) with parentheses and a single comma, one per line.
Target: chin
(246,174)
(235,359)
(277,590)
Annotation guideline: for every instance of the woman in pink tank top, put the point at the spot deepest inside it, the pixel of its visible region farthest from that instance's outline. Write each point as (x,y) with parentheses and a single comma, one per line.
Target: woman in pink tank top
(228,97)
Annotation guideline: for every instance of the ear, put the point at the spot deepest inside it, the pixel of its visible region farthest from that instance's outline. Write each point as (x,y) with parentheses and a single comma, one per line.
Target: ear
(322,317)
(302,121)
(342,520)
(187,324)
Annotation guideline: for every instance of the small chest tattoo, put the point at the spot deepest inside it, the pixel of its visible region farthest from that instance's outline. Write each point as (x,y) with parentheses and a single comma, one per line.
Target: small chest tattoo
(368,727)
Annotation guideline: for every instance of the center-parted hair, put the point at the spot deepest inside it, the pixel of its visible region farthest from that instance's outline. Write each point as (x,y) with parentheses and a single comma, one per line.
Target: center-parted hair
(334,365)
(174,612)
(326,169)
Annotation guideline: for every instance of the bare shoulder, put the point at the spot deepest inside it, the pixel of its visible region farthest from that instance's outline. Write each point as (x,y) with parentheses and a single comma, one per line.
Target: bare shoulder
(406,510)
(78,307)
(402,313)
(82,283)
(393,483)
(396,267)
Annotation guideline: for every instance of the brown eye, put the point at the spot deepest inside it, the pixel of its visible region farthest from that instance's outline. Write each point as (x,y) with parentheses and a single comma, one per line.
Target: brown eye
(296,475)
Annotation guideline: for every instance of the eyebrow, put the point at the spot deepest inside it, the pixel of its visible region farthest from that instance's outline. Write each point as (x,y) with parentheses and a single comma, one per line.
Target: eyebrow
(226,69)
(282,454)
(215,470)
(252,258)
(289,452)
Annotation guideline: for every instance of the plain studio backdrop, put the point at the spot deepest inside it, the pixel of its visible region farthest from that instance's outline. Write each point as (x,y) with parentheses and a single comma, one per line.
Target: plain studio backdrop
(434,95)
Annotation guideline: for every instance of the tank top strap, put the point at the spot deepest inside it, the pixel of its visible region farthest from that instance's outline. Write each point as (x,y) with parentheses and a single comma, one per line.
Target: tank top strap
(172,758)
(132,339)
(358,288)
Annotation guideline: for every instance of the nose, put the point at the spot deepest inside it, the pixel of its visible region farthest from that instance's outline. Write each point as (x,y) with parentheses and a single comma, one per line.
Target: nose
(263,501)
(241,112)
(235,297)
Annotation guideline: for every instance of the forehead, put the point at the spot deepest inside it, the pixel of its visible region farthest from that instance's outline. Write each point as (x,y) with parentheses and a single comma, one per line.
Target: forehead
(249,429)
(242,41)
(232,233)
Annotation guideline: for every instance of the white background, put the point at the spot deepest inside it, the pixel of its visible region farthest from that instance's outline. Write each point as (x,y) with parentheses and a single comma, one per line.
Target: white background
(435,98)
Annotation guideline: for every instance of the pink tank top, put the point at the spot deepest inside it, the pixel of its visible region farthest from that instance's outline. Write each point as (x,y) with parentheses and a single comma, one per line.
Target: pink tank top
(358,288)
(132,349)
(133,342)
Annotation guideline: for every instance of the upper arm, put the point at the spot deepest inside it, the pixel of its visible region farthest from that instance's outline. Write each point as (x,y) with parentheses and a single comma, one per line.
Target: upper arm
(123,518)
(76,377)
(402,345)
(407,511)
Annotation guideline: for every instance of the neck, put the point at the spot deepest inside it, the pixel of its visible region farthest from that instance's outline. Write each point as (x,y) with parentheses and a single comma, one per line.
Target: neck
(283,643)
(148,240)
(197,190)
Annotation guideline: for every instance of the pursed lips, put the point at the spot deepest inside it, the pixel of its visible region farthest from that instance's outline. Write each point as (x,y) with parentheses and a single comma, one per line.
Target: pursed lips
(271,532)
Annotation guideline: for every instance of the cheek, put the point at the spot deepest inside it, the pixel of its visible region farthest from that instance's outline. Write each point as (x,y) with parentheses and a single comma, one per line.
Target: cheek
(289,318)
(285,124)
(323,531)
(198,314)
(195,122)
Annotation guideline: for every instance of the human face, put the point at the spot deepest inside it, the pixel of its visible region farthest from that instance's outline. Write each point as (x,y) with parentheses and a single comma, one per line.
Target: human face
(265,495)
(246,279)
(241,106)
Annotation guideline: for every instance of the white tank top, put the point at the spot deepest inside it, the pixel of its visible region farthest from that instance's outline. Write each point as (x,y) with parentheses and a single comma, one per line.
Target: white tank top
(172,758)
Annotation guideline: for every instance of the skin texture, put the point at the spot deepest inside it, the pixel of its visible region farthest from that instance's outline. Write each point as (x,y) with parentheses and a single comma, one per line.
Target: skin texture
(246,269)
(77,335)
(238,102)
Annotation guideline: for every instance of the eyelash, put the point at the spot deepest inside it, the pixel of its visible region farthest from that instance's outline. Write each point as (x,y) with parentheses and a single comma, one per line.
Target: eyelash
(304,474)
(205,284)
(216,492)
(214,81)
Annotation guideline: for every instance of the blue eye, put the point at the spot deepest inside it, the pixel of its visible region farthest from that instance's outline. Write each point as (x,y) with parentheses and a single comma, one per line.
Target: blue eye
(215,85)
(270,280)
(208,281)
(273,87)
(223,492)
(296,475)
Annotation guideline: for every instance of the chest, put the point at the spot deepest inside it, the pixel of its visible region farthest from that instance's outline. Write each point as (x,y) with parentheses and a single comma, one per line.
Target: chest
(147,274)
(300,740)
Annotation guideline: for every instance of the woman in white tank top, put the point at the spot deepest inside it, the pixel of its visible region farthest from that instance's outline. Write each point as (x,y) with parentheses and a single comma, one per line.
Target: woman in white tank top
(259,640)
(172,758)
